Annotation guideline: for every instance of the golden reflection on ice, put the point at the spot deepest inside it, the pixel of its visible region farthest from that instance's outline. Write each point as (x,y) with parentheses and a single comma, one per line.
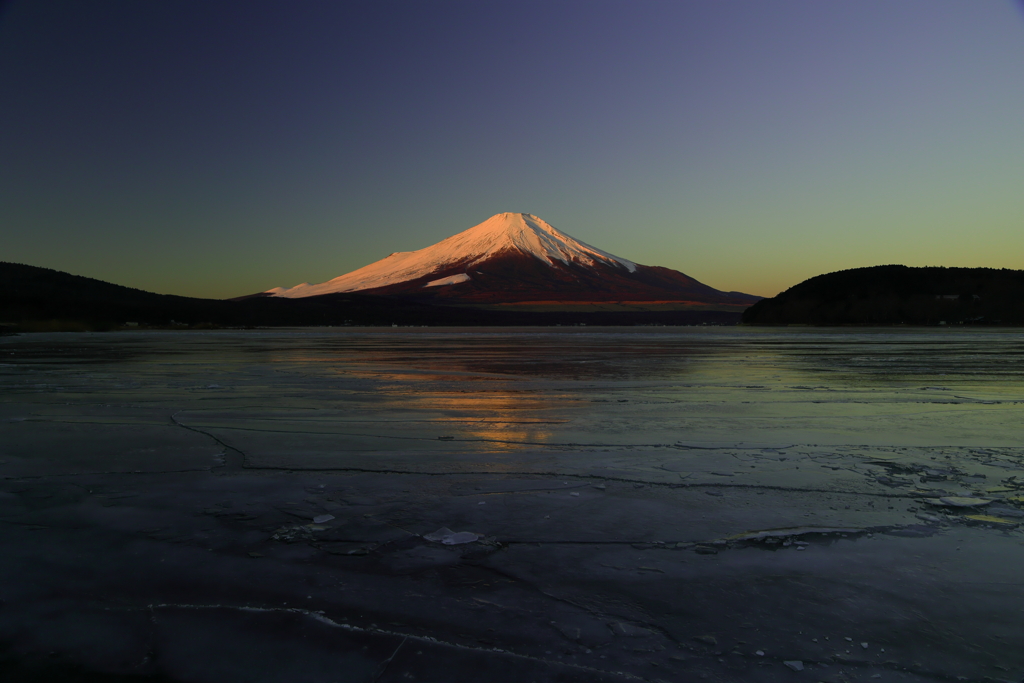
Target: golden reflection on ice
(447,393)
(502,420)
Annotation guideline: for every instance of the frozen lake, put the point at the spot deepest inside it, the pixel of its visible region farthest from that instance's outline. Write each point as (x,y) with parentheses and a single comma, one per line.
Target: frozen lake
(652,503)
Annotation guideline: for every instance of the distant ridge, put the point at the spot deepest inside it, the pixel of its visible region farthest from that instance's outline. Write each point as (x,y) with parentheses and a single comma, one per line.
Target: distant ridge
(42,299)
(518,258)
(895,294)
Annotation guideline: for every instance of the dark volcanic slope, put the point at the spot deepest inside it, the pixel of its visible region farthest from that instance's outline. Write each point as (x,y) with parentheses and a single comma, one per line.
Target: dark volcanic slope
(886,295)
(511,277)
(31,296)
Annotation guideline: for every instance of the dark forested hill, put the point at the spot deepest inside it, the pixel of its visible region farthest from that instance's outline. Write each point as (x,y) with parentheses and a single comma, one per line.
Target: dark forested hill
(893,295)
(29,294)
(33,298)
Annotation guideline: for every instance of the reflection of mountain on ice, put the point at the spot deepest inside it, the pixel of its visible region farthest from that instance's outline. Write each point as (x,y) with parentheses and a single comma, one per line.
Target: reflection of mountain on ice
(519,258)
(505,233)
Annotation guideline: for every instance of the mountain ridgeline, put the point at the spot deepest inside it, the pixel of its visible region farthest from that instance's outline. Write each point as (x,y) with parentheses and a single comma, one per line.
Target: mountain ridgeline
(894,295)
(518,259)
(512,269)
(41,299)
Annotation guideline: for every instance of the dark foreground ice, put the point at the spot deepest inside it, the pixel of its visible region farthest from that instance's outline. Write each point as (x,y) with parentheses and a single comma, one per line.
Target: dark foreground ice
(650,504)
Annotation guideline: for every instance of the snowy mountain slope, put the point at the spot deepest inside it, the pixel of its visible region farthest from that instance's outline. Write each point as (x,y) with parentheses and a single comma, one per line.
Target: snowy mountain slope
(515,258)
(521,233)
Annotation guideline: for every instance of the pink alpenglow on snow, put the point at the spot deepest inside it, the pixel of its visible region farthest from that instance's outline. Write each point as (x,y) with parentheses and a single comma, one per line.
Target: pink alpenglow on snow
(518,258)
(506,232)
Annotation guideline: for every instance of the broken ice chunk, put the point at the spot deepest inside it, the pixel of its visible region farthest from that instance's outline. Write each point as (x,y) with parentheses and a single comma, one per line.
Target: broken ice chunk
(320,519)
(446,536)
(957,501)
(462,537)
(439,535)
(992,520)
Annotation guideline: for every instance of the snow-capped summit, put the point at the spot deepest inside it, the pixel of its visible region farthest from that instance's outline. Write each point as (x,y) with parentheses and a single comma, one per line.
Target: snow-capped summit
(504,233)
(518,258)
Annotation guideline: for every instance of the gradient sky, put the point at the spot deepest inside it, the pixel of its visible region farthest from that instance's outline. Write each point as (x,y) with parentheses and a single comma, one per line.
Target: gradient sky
(221,148)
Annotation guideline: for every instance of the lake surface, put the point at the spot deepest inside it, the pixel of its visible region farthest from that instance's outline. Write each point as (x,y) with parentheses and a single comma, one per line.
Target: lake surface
(519,388)
(651,502)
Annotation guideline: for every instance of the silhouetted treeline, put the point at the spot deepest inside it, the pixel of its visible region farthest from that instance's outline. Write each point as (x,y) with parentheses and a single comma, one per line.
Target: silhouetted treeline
(893,295)
(33,298)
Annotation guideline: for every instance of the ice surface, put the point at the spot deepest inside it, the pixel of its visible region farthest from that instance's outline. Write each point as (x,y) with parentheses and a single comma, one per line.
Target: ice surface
(143,511)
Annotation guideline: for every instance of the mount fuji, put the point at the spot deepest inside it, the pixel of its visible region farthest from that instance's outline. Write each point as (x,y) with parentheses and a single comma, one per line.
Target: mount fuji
(520,259)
